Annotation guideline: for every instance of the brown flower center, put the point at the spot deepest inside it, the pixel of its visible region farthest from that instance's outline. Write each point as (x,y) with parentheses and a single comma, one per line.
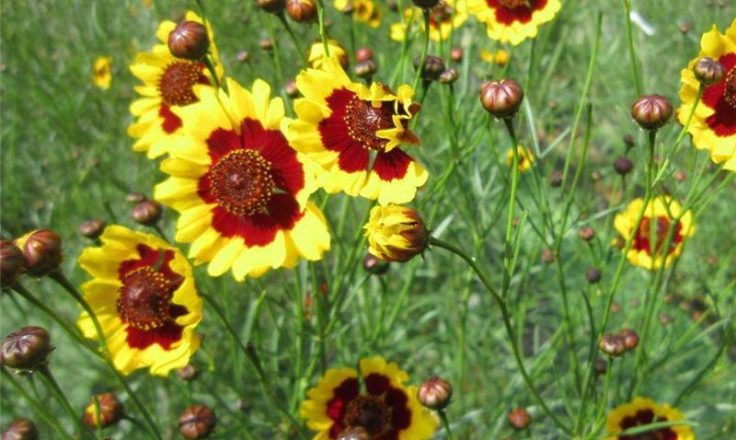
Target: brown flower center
(368,412)
(442,13)
(645,417)
(729,91)
(242,182)
(513,4)
(144,301)
(363,120)
(177,80)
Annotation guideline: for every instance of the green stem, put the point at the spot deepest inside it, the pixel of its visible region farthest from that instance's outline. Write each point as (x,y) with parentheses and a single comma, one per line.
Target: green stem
(445,423)
(632,52)
(292,35)
(322,31)
(51,383)
(507,257)
(423,59)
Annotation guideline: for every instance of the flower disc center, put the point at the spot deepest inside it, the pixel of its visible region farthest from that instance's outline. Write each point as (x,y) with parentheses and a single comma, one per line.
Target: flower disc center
(729,91)
(370,413)
(145,298)
(363,120)
(643,239)
(513,4)
(177,81)
(242,182)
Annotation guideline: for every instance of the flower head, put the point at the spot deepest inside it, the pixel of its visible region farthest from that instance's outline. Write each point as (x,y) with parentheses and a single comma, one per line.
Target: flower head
(354,131)
(241,189)
(375,399)
(102,72)
(395,233)
(642,411)
(316,58)
(444,19)
(513,21)
(647,249)
(526,158)
(168,84)
(144,298)
(713,125)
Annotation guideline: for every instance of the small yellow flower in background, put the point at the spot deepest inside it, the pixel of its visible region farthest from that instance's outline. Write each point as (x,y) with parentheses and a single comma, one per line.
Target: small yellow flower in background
(643,411)
(395,233)
(375,398)
(102,72)
(443,19)
(143,295)
(526,158)
(513,21)
(657,218)
(364,11)
(713,126)
(317,54)
(501,57)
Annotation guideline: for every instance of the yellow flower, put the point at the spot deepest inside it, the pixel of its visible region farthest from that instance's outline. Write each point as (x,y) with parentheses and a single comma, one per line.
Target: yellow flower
(102,72)
(168,84)
(395,233)
(443,19)
(513,21)
(241,189)
(317,54)
(354,131)
(500,58)
(526,158)
(643,411)
(365,11)
(384,406)
(143,295)
(658,216)
(713,126)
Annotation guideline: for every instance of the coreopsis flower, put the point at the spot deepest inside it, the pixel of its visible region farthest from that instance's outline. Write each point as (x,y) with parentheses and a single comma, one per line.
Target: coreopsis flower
(143,295)
(168,84)
(643,411)
(316,56)
(500,57)
(526,158)
(364,11)
(647,250)
(375,399)
(443,20)
(713,125)
(102,72)
(395,233)
(354,131)
(241,188)
(513,21)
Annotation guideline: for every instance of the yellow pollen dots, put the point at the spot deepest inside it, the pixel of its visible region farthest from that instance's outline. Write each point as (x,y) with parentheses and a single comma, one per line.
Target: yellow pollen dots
(177,81)
(242,182)
(144,298)
(729,91)
(363,120)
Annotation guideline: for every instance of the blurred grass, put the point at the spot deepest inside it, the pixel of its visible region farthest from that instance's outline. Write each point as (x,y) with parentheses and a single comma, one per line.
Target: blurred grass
(66,158)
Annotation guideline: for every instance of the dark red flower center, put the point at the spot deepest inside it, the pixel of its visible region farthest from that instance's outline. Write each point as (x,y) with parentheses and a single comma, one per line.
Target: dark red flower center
(242,182)
(646,417)
(656,231)
(729,90)
(369,412)
(177,81)
(513,4)
(363,120)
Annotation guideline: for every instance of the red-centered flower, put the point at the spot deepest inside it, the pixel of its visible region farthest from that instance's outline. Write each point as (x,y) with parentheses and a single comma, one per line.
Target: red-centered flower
(513,21)
(641,412)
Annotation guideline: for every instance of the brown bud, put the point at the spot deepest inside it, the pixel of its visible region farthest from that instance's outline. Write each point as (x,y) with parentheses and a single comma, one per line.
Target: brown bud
(586,233)
(615,307)
(266,44)
(426,4)
(375,265)
(301,11)
(593,275)
(456,54)
(708,71)
(628,140)
(135,197)
(600,366)
(612,345)
(449,76)
(188,373)
(12,263)
(243,56)
(92,228)
(21,429)
(354,433)
(432,68)
(272,6)
(519,418)
(393,5)
(42,251)
(685,26)
(651,112)
(435,393)
(548,256)
(197,422)
(290,88)
(630,338)
(147,212)
(189,40)
(363,54)
(623,165)
(25,349)
(103,410)
(501,98)
(365,69)
(555,179)
(680,176)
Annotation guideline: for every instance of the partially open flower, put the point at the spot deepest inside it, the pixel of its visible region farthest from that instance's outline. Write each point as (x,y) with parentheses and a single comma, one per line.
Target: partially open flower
(449,76)
(197,422)
(189,40)
(317,54)
(651,112)
(586,233)
(519,418)
(593,275)
(365,69)
(396,233)
(103,410)
(42,251)
(301,11)
(501,98)
(363,54)
(25,349)
(188,373)
(21,429)
(708,71)
(435,393)
(12,263)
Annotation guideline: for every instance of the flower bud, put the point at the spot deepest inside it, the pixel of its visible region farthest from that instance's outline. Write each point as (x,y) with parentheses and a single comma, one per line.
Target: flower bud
(291,89)
(272,6)
(374,265)
(680,176)
(134,197)
(25,349)
(197,422)
(555,179)
(426,4)
(42,251)
(596,176)
(630,338)
(685,26)
(449,76)
(103,410)
(92,228)
(456,54)
(21,429)
(12,263)
(396,233)
(586,233)
(593,275)
(600,366)
(708,71)
(628,140)
(435,393)
(266,44)
(623,165)
(432,68)
(363,54)
(519,418)
(188,373)
(365,69)
(301,11)
(147,212)
(612,345)
(651,112)
(501,98)
(189,40)
(548,256)
(354,433)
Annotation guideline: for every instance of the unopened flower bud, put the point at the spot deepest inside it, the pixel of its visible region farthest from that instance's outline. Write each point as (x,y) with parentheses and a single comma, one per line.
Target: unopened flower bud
(651,112)
(449,76)
(396,233)
(188,373)
(596,176)
(435,393)
(21,429)
(134,197)
(593,275)
(628,140)
(501,98)
(432,68)
(291,89)
(375,265)
(42,251)
(363,54)
(600,366)
(189,40)
(708,71)
(630,338)
(555,179)
(272,6)
(103,410)
(147,212)
(92,228)
(685,26)
(680,176)
(354,433)
(197,422)
(612,345)
(548,256)
(426,4)
(456,54)
(266,44)
(623,165)
(393,5)
(519,418)
(12,263)
(301,11)
(25,349)
(586,233)
(365,69)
